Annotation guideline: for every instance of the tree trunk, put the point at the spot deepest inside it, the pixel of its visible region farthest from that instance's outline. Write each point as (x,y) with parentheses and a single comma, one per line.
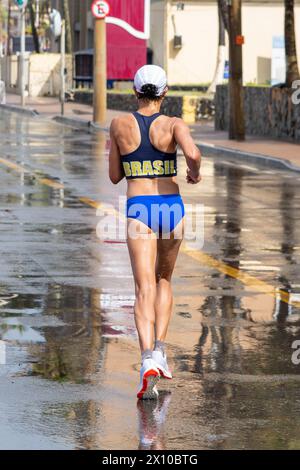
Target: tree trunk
(33,28)
(8,28)
(292,70)
(236,105)
(45,7)
(66,14)
(219,70)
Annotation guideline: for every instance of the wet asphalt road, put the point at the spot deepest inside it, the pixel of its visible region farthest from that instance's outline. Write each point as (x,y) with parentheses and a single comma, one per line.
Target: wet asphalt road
(66,302)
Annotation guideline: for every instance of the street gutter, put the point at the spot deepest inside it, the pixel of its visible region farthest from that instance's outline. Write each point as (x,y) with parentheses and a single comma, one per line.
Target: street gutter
(79,123)
(18,109)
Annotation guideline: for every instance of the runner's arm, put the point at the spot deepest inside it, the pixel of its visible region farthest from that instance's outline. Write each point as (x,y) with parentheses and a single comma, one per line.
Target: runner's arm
(116,173)
(191,152)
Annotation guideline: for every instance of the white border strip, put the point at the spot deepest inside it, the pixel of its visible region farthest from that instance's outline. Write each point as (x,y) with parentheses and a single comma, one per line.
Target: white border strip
(134,32)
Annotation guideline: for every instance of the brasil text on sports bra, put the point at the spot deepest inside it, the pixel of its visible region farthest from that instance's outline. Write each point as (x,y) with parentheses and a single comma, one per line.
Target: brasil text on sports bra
(147,161)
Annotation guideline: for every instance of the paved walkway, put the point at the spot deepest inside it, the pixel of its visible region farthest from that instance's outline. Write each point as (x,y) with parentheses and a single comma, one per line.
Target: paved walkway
(203,133)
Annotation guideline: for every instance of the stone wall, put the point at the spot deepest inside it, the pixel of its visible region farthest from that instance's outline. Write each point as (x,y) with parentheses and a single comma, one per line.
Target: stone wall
(172,105)
(268,112)
(189,107)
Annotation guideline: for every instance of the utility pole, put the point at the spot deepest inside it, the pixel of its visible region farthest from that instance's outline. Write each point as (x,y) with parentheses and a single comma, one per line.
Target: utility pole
(100,10)
(236,102)
(63,66)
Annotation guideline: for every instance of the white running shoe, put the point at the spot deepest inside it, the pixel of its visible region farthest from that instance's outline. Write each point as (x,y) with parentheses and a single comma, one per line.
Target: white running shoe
(160,361)
(149,376)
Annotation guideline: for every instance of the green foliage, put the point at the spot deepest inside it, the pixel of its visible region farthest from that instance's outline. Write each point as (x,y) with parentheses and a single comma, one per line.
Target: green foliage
(258,85)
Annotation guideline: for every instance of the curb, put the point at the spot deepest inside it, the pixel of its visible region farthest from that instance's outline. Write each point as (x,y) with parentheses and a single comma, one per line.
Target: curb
(260,159)
(96,127)
(79,123)
(18,109)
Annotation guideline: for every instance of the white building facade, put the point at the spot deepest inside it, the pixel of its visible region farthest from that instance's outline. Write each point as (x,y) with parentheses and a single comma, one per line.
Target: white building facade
(196,22)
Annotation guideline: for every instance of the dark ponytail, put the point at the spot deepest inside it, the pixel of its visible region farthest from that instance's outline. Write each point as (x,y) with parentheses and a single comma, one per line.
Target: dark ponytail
(149,92)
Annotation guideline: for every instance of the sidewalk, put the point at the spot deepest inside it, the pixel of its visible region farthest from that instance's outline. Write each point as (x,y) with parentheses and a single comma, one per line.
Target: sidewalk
(273,153)
(288,152)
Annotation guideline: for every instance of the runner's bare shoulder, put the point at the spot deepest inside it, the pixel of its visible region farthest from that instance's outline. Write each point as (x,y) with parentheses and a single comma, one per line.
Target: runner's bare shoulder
(121,123)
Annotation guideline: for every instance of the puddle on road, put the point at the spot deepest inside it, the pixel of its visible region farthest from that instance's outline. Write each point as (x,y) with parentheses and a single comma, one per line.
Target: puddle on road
(66,352)
(231,357)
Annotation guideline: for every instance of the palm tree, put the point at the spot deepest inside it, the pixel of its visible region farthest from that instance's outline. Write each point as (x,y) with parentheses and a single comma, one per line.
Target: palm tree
(292,70)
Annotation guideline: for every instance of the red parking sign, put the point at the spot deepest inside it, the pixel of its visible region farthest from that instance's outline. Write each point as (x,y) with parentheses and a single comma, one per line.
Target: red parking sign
(100,9)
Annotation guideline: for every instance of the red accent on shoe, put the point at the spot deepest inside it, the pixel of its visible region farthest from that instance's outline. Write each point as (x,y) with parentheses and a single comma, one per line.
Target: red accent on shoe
(163,375)
(150,372)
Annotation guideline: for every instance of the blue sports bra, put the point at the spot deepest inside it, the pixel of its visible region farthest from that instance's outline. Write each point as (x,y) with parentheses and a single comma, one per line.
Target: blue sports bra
(147,161)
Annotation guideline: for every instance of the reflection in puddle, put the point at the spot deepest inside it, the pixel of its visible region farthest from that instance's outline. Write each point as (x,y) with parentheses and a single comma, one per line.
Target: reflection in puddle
(19,304)
(5,299)
(244,335)
(117,311)
(72,351)
(151,418)
(13,330)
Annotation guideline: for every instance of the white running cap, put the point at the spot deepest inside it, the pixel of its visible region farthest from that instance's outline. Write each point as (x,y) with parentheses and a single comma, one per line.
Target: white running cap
(151,74)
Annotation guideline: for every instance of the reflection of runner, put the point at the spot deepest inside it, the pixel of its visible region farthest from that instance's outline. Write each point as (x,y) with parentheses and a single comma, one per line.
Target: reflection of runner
(152,416)
(143,149)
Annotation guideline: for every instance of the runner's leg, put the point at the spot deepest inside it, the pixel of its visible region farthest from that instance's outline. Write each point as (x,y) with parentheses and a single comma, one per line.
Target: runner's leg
(167,251)
(142,253)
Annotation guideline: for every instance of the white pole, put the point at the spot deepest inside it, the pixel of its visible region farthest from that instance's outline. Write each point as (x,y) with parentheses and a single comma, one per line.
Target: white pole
(22,57)
(63,66)
(37,14)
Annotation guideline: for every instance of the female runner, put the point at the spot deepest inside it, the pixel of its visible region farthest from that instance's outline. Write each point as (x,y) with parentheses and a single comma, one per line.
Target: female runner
(143,149)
